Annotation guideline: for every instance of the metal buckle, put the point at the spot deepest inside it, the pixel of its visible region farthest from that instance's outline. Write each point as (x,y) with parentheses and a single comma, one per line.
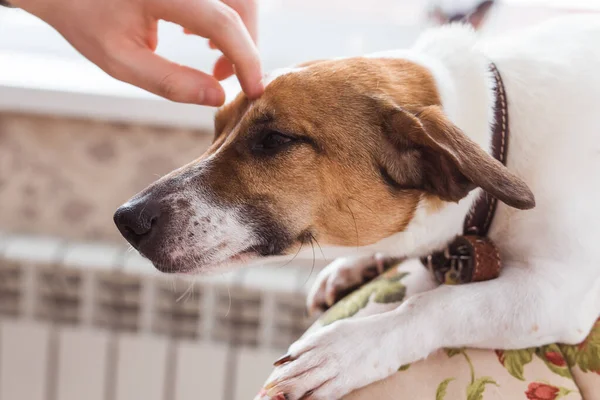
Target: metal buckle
(449,265)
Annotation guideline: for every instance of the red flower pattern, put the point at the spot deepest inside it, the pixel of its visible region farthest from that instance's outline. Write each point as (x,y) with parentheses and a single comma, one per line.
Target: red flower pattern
(500,355)
(541,391)
(556,358)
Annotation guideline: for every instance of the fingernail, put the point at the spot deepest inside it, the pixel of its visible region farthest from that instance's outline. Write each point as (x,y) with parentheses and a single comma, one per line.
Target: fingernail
(283,360)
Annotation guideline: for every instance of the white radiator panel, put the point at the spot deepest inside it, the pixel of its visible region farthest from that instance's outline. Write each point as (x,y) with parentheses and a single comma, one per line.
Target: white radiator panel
(253,366)
(24,360)
(201,371)
(141,367)
(87,322)
(82,364)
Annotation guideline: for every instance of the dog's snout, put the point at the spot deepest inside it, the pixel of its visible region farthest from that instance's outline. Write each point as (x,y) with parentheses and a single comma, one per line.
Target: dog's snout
(136,219)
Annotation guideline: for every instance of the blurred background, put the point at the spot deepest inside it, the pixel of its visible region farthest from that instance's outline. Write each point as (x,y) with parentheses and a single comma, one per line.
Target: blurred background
(81,316)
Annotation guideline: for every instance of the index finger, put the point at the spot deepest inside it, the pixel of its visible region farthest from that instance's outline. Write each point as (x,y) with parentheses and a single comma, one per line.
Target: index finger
(223,25)
(247,10)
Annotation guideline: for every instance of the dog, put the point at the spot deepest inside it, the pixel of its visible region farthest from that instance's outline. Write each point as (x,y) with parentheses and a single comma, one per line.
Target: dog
(472,12)
(388,153)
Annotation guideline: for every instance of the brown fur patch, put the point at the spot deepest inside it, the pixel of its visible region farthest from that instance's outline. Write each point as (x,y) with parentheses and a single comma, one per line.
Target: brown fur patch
(332,188)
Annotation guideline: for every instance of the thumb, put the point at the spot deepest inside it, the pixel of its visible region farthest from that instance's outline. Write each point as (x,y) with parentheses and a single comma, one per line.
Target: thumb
(149,71)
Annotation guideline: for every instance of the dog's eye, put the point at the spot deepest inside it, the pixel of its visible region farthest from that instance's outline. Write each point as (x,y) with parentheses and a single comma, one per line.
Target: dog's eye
(272,141)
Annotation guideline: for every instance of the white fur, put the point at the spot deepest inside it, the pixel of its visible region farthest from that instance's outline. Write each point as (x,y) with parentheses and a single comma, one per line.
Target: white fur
(215,234)
(549,289)
(280,72)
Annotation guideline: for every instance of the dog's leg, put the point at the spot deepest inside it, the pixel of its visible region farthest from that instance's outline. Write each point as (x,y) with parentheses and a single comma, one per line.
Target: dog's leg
(344,275)
(524,307)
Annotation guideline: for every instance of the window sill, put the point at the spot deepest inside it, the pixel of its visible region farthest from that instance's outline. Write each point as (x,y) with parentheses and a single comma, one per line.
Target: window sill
(75,88)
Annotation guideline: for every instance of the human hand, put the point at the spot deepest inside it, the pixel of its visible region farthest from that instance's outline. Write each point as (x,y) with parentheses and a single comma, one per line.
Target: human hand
(120,36)
(247,10)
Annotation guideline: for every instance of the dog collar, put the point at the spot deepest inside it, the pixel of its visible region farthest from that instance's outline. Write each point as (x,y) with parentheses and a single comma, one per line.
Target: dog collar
(472,256)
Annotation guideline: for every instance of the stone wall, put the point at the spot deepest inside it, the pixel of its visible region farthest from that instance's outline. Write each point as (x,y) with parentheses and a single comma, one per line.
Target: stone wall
(66,177)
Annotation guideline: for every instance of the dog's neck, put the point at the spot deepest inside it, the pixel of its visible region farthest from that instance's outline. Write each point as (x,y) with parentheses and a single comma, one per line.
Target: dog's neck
(467,89)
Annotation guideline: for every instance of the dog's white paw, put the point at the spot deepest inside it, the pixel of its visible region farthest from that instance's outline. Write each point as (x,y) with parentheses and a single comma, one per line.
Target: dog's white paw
(342,276)
(330,364)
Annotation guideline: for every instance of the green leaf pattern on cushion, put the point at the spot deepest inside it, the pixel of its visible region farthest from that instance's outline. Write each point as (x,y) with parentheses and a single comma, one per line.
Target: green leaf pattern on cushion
(571,354)
(452,352)
(476,386)
(562,392)
(585,355)
(554,360)
(441,390)
(475,389)
(394,292)
(385,289)
(404,367)
(515,360)
(388,288)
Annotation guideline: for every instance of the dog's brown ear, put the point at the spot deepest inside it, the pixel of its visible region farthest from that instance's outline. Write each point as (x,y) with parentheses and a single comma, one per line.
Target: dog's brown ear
(446,162)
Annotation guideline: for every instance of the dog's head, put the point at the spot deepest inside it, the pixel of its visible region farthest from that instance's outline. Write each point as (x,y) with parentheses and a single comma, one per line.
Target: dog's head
(339,152)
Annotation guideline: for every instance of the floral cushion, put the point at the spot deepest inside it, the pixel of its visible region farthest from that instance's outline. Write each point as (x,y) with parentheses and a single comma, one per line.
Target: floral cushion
(549,372)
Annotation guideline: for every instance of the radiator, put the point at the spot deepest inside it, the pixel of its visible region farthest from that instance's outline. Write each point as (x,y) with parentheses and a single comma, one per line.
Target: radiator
(92,322)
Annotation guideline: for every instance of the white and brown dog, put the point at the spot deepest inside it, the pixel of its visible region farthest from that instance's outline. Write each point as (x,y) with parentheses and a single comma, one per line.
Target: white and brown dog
(390,152)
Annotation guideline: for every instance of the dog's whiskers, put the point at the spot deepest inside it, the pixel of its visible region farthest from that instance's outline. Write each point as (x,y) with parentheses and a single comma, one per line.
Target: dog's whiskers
(230,301)
(295,255)
(319,245)
(188,292)
(355,226)
(312,268)
(374,214)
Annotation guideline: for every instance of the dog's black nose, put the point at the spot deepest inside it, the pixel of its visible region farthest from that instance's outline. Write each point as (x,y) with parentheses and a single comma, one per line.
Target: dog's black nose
(136,219)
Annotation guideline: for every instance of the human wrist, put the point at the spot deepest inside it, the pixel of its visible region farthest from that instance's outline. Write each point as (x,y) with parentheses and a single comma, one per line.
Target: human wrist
(26,5)
(35,7)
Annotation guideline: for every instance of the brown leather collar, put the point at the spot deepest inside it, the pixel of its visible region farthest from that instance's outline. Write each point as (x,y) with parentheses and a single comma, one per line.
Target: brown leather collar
(479,220)
(473,256)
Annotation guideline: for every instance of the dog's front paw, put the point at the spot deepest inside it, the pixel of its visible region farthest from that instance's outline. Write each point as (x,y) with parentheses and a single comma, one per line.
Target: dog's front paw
(330,364)
(343,276)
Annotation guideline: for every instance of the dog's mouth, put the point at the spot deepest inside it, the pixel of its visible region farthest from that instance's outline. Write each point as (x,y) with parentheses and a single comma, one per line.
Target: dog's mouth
(192,259)
(191,268)
(170,256)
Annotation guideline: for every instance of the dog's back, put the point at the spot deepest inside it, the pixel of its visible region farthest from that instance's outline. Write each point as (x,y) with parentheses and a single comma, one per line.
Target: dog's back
(553,86)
